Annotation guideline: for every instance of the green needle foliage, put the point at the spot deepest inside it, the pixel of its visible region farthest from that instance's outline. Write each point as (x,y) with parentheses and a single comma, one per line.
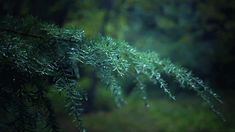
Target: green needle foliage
(35,55)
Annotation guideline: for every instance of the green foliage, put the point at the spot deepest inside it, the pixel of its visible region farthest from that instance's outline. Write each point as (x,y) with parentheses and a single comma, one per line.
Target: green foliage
(34,53)
(39,55)
(158,117)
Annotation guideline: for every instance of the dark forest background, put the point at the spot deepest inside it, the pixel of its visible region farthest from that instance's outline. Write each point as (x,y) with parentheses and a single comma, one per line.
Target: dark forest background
(197,34)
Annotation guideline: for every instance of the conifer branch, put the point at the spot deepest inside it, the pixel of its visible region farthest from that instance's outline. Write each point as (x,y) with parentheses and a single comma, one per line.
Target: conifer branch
(46,52)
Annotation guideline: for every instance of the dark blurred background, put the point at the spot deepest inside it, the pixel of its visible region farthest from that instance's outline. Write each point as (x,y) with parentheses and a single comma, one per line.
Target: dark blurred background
(197,34)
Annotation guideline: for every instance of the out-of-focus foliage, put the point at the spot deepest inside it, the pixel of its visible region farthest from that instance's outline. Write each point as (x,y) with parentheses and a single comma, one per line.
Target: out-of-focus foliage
(158,117)
(34,50)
